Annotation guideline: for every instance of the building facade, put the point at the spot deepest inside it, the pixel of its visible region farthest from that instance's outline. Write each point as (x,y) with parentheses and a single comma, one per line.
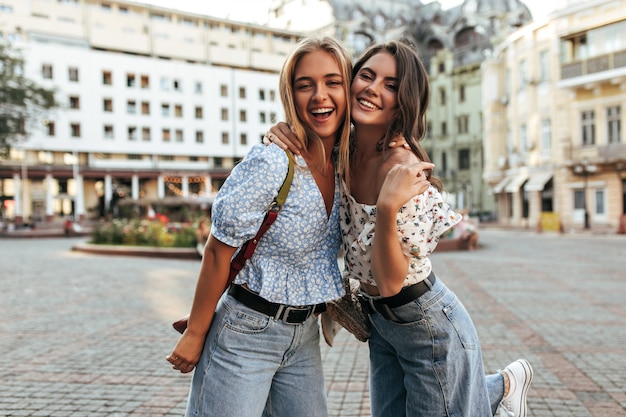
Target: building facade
(553,100)
(153,103)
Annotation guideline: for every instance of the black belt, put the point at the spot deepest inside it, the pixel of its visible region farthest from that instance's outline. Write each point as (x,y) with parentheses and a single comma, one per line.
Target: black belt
(286,313)
(384,306)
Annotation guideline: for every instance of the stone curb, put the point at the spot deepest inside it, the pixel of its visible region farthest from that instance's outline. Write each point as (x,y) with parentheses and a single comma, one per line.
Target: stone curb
(145,251)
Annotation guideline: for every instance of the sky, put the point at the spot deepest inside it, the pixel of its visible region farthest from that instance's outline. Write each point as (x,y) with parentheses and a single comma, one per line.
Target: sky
(256,11)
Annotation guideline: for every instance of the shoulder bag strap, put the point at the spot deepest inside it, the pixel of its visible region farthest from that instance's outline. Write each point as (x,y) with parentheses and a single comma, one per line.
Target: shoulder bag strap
(273,209)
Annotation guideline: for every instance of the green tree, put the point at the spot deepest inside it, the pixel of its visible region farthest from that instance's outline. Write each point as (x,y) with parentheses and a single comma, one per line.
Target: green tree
(23,103)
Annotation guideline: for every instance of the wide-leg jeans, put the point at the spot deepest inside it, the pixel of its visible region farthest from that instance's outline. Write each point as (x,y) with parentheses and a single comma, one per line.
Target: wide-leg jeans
(253,365)
(430,364)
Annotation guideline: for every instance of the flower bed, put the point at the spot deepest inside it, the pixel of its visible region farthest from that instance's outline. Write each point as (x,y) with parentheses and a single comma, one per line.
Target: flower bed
(141,232)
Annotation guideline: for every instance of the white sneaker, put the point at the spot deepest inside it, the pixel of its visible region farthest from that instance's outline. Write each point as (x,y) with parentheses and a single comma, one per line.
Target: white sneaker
(520,375)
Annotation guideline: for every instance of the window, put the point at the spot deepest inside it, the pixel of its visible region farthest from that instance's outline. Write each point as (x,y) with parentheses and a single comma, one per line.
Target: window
(613,124)
(199,136)
(130,80)
(444,128)
(462,93)
(145,107)
(242,115)
(145,134)
(442,96)
(49,126)
(544,67)
(262,117)
(165,110)
(107,78)
(523,76)
(198,87)
(273,117)
(73,74)
(132,133)
(579,199)
(523,138)
(179,135)
(131,107)
(262,95)
(464,159)
(225,139)
(178,110)
(177,85)
(224,114)
(600,203)
(75,130)
(242,92)
(224,90)
(145,82)
(198,112)
(108,131)
(588,125)
(444,163)
(45,157)
(46,71)
(74,102)
(107,105)
(165,84)
(546,136)
(272,95)
(243,139)
(166,135)
(462,124)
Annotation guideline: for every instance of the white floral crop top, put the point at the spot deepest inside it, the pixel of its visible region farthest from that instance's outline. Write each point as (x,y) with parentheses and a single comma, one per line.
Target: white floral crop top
(421,222)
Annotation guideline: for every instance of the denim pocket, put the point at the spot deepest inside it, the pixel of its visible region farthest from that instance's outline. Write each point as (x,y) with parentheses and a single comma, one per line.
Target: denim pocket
(244,321)
(462,323)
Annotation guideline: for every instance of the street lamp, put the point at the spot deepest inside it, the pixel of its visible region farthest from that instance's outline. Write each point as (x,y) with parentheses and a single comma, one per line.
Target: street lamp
(584,169)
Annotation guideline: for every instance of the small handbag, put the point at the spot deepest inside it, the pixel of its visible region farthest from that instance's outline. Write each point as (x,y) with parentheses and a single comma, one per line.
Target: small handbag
(349,313)
(247,249)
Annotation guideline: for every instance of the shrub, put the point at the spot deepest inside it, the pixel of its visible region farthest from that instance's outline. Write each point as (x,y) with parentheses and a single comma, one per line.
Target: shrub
(136,232)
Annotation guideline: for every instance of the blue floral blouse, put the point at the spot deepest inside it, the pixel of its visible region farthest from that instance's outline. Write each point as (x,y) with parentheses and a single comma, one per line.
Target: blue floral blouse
(420,222)
(295,262)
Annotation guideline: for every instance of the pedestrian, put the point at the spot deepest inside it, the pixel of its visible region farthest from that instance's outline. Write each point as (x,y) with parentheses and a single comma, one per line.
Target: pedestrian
(425,356)
(248,362)
(202,235)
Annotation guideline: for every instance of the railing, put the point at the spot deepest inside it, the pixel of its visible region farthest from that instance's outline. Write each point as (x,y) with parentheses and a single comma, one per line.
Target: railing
(594,65)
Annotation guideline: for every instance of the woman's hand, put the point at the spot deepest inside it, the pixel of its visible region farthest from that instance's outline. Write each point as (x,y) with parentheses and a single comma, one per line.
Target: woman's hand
(399,141)
(282,135)
(402,182)
(187,352)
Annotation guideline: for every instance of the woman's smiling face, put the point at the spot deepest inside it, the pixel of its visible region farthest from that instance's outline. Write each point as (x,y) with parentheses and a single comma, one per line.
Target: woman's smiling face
(374,92)
(319,96)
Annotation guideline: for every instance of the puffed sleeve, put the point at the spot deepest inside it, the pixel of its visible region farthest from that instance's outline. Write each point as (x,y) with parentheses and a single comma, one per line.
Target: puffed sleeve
(240,205)
(422,221)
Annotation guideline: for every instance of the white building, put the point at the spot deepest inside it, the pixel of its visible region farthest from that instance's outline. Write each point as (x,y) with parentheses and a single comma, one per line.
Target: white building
(154,103)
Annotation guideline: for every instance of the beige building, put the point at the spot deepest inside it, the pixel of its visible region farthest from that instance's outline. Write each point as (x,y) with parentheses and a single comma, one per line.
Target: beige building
(554,95)
(154,103)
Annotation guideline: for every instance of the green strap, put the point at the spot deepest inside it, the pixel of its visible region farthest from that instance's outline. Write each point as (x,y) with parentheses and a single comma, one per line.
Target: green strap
(284,189)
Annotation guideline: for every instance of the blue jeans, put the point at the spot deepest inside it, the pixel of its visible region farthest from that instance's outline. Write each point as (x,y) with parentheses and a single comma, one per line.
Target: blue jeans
(252,365)
(431,364)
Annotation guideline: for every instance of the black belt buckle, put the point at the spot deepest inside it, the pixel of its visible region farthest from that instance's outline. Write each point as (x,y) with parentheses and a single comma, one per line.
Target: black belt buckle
(293,315)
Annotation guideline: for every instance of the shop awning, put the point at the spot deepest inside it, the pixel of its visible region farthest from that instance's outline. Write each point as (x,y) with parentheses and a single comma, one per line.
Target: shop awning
(516,182)
(538,181)
(499,187)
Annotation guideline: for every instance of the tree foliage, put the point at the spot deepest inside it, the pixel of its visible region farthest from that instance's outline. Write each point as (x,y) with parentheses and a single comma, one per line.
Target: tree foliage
(23,103)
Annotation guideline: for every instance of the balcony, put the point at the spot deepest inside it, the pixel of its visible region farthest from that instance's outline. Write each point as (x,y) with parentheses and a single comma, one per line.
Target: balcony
(599,154)
(596,69)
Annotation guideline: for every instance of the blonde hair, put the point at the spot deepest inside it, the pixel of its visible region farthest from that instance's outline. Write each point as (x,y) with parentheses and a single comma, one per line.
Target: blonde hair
(305,135)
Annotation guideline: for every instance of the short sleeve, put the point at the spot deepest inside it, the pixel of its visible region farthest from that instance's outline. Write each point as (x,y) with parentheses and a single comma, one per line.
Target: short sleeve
(423,220)
(241,203)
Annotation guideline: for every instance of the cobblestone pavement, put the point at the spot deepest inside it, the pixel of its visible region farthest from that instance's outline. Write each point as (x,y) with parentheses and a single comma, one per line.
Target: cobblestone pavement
(86,335)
